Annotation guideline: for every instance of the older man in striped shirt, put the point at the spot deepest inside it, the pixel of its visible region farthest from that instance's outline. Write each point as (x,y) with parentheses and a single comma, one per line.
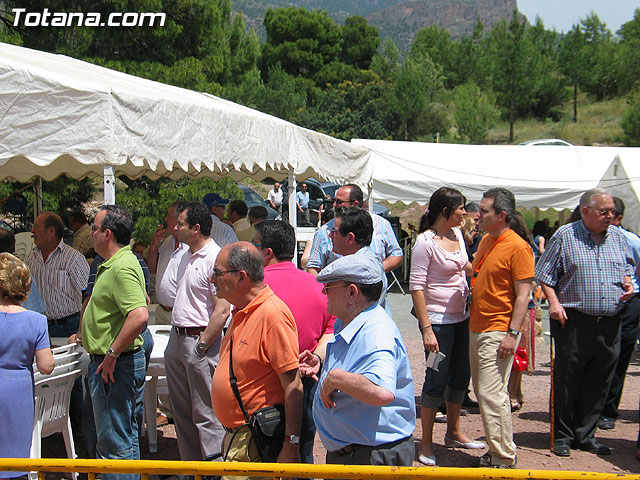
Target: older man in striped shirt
(585,273)
(61,273)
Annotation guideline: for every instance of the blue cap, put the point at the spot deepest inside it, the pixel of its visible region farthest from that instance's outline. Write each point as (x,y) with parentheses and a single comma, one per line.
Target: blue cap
(356,268)
(213,199)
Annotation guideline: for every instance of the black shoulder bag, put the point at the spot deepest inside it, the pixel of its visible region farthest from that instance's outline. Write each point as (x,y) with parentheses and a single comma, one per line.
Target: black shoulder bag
(266,425)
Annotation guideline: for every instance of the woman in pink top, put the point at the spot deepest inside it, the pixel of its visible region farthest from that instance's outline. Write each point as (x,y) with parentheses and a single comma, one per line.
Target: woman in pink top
(439,292)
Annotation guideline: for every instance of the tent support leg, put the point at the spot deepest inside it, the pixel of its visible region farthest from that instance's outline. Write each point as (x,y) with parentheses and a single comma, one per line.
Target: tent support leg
(109,185)
(293,211)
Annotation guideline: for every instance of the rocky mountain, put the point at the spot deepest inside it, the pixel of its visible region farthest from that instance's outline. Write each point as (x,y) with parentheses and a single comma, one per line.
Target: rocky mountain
(398,19)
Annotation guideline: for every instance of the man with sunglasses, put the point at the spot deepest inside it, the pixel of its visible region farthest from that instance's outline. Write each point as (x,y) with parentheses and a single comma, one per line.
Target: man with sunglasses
(383,243)
(194,342)
(585,273)
(364,406)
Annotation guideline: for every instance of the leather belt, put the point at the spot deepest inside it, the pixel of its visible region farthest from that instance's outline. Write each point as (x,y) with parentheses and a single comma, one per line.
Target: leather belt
(98,357)
(233,429)
(191,331)
(166,309)
(59,321)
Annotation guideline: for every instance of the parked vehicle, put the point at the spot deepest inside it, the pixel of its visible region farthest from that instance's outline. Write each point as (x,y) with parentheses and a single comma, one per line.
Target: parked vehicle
(331,188)
(253,199)
(546,141)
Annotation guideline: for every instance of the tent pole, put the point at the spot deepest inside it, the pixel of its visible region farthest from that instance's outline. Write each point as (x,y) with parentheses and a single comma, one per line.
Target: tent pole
(293,211)
(37,190)
(109,185)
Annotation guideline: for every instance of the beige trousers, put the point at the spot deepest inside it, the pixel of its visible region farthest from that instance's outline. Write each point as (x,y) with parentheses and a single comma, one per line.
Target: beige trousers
(490,376)
(240,447)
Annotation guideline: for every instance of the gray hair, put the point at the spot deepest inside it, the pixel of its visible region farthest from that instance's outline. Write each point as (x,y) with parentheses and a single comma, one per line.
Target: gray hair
(241,257)
(586,200)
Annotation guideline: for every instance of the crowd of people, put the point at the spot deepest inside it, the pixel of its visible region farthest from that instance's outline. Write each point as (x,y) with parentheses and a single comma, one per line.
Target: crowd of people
(262,355)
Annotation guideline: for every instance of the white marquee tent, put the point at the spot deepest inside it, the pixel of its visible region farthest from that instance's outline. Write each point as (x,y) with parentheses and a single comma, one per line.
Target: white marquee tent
(59,116)
(540,176)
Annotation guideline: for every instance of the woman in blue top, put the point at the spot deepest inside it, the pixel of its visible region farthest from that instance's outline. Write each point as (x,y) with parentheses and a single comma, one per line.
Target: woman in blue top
(539,229)
(24,337)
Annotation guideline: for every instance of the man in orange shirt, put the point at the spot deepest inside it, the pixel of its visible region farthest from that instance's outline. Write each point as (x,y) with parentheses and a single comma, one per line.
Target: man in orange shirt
(503,269)
(264,339)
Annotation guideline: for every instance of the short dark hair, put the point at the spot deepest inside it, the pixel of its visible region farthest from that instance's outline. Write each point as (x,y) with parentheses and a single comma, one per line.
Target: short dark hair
(259,213)
(53,220)
(119,220)
(355,193)
(472,207)
(7,241)
(279,236)
(242,258)
(618,204)
(77,216)
(371,292)
(505,201)
(197,214)
(357,221)
(239,207)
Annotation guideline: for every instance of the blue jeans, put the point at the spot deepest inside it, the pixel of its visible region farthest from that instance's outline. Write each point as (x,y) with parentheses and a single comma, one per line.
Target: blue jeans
(452,379)
(147,347)
(114,410)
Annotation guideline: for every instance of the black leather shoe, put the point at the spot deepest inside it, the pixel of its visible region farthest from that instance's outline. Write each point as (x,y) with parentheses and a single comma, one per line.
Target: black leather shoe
(561,450)
(606,423)
(468,403)
(596,448)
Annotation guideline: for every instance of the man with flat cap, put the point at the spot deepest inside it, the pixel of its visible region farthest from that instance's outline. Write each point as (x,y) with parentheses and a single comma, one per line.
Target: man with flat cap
(364,407)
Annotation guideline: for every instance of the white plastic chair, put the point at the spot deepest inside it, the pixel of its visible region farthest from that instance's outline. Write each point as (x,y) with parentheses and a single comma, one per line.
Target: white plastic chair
(155,383)
(52,397)
(24,244)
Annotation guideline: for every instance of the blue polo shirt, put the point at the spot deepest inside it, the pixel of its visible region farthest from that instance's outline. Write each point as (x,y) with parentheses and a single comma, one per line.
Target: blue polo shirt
(371,345)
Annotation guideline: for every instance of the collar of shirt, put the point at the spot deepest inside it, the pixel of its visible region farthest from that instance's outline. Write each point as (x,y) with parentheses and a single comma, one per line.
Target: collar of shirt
(239,315)
(348,332)
(588,234)
(107,263)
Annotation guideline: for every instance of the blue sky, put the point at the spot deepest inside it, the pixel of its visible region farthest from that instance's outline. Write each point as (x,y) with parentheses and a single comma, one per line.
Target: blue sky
(562,14)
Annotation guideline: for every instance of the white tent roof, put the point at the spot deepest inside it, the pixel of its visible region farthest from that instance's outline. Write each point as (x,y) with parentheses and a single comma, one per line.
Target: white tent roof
(61,115)
(539,176)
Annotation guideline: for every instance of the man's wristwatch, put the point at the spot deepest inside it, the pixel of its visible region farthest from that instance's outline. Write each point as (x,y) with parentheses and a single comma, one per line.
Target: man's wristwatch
(112,353)
(514,332)
(293,439)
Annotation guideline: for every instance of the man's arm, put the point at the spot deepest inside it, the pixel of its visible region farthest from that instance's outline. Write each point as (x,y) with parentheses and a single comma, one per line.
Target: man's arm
(311,362)
(391,263)
(154,249)
(556,310)
(133,325)
(292,387)
(216,322)
(354,385)
(509,342)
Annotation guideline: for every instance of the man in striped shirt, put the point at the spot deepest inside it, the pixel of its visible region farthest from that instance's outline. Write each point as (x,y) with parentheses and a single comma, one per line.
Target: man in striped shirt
(585,273)
(61,273)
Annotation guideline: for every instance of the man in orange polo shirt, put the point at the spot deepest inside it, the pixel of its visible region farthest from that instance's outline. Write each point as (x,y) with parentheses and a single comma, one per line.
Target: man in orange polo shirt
(264,339)
(503,269)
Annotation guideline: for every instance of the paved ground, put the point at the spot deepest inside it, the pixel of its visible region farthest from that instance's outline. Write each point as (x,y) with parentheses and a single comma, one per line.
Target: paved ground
(531,424)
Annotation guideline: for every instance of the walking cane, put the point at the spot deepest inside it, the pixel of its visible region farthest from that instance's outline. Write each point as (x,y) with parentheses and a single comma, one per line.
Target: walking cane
(551,400)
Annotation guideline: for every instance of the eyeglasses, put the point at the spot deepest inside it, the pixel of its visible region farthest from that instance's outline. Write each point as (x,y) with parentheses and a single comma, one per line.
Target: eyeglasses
(257,245)
(219,273)
(337,201)
(604,211)
(95,227)
(327,287)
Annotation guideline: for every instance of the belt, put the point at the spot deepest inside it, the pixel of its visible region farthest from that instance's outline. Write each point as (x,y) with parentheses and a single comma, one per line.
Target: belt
(95,357)
(58,321)
(346,450)
(166,309)
(191,331)
(596,318)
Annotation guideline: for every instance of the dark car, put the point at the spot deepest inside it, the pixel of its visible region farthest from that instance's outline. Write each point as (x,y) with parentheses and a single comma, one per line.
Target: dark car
(253,199)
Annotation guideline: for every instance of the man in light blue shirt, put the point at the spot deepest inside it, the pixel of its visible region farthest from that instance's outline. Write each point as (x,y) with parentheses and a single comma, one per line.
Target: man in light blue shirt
(302,202)
(629,319)
(364,407)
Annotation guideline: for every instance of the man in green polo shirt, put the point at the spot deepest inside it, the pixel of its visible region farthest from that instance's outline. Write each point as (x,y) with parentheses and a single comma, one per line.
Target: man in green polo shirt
(111,326)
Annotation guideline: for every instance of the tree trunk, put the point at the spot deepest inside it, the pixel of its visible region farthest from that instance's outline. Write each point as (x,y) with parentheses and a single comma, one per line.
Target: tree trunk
(511,114)
(575,103)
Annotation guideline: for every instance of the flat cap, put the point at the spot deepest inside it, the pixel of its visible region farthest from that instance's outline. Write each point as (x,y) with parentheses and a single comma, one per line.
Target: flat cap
(212,199)
(357,268)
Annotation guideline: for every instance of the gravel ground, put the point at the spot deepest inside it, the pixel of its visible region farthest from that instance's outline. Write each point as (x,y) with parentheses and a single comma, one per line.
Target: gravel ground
(530,424)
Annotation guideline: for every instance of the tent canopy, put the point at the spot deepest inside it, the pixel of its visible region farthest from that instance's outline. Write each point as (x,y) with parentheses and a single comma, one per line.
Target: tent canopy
(539,176)
(60,116)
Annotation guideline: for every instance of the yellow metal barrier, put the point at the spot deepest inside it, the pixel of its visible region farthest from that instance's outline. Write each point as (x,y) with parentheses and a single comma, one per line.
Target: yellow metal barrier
(279,470)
